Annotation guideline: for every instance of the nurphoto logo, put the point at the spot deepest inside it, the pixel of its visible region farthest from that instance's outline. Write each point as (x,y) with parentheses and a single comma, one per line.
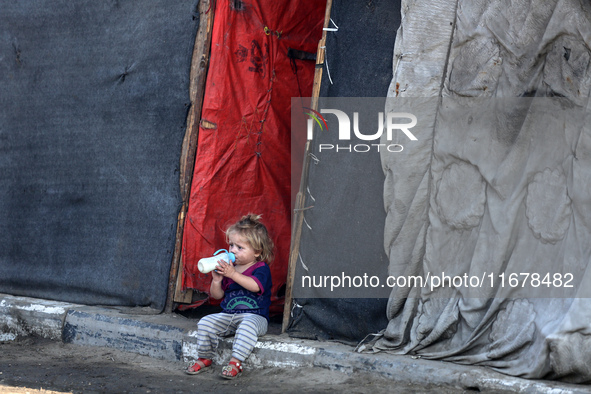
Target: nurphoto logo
(394,122)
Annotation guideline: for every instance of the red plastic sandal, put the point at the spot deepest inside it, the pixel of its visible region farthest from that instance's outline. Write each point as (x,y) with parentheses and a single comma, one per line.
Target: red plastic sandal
(197,368)
(232,370)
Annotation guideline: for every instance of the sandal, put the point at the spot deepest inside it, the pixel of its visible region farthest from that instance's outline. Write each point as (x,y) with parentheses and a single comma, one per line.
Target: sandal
(232,370)
(197,367)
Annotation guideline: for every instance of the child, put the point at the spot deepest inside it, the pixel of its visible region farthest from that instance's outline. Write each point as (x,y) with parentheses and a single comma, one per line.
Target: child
(245,288)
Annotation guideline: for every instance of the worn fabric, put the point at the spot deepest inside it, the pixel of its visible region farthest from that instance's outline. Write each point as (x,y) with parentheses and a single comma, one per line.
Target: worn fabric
(93,107)
(344,216)
(497,184)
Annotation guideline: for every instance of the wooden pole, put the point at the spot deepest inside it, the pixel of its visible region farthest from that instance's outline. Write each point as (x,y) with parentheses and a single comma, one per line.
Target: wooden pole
(298,218)
(199,65)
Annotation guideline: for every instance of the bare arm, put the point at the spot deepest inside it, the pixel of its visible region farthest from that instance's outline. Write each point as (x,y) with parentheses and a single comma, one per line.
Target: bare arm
(215,288)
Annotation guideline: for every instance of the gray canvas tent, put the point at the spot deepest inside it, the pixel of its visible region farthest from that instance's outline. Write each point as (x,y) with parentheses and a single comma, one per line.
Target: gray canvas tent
(493,195)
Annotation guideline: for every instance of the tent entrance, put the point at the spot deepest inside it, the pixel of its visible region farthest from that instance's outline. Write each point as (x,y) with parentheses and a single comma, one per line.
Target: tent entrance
(237,149)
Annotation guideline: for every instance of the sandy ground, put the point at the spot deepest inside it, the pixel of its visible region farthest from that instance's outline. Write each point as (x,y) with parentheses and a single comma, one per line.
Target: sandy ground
(35,365)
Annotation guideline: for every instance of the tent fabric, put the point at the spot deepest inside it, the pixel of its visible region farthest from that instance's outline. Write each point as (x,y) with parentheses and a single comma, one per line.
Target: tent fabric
(243,156)
(498,185)
(346,224)
(93,108)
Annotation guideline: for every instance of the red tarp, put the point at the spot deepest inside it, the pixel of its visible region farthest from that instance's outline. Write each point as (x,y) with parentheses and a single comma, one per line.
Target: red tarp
(243,161)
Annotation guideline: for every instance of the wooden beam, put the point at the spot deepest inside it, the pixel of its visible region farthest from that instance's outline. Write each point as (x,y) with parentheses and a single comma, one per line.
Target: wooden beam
(199,65)
(298,217)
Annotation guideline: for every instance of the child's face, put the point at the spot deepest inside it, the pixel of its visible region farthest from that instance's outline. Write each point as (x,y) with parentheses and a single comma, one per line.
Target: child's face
(241,248)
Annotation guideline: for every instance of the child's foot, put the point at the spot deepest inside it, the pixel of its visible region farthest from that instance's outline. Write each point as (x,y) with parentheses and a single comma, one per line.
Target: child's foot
(232,370)
(199,366)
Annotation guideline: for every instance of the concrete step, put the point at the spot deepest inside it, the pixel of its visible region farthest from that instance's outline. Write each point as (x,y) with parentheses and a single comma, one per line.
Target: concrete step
(174,337)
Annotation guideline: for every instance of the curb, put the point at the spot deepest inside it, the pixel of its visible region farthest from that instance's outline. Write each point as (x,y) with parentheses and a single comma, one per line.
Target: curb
(174,338)
(21,316)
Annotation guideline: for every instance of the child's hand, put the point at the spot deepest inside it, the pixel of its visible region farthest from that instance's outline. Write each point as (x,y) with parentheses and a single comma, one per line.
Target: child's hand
(225,269)
(217,276)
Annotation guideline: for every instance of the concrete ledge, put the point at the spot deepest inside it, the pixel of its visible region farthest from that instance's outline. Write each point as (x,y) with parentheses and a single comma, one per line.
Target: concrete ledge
(174,337)
(22,316)
(270,351)
(414,370)
(157,336)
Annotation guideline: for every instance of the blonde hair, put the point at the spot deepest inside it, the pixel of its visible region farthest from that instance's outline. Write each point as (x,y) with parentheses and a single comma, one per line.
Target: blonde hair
(256,234)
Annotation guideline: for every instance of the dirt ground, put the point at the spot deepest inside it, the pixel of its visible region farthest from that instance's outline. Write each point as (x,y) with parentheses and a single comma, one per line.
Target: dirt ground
(35,365)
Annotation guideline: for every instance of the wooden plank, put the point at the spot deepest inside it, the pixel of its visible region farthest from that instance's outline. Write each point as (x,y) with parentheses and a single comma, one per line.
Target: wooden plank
(199,65)
(180,296)
(298,218)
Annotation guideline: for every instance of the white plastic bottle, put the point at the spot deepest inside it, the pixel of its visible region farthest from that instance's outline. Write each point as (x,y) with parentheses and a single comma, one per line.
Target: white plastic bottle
(208,264)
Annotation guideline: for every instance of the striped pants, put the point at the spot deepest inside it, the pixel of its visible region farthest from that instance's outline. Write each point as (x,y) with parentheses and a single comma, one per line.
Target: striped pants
(247,327)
